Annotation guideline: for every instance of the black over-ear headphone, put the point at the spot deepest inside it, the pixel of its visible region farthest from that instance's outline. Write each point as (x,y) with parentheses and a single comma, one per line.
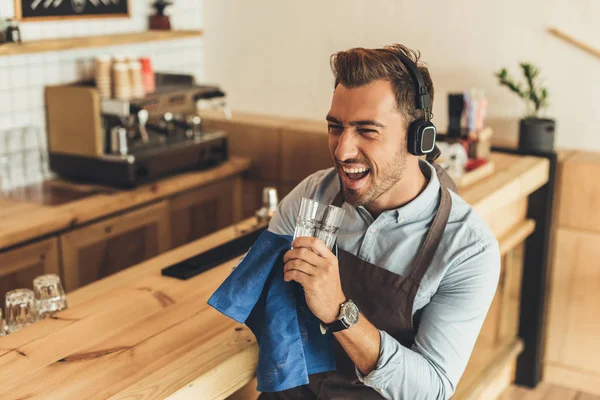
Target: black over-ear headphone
(421,132)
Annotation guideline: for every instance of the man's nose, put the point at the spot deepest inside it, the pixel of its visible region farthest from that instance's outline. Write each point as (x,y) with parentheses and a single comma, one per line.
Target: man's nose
(346,146)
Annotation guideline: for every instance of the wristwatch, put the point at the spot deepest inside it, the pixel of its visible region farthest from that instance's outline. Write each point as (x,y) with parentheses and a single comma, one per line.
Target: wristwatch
(348,317)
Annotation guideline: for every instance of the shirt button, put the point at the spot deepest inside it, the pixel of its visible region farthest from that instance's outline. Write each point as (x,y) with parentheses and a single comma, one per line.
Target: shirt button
(373,230)
(401,219)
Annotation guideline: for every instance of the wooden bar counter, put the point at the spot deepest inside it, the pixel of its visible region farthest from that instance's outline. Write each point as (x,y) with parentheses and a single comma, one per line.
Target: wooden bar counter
(28,214)
(139,335)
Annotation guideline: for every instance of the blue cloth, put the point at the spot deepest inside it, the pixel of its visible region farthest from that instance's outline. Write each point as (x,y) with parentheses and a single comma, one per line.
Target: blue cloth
(291,345)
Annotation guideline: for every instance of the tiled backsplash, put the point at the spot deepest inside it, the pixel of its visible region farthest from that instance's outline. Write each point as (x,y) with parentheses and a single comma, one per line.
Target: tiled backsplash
(23,77)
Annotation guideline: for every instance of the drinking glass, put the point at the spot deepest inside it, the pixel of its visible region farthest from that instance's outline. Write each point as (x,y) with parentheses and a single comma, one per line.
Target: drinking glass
(330,225)
(49,295)
(20,309)
(309,218)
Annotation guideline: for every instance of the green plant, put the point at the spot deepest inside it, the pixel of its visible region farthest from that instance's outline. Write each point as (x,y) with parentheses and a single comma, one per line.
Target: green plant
(535,96)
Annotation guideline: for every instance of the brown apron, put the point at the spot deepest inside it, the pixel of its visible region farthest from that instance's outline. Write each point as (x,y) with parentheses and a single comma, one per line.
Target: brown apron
(392,312)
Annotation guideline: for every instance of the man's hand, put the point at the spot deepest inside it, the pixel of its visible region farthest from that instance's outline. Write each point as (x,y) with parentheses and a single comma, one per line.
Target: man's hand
(315,267)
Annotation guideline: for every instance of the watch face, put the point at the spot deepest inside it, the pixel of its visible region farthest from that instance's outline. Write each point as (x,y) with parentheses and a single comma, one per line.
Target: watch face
(351,313)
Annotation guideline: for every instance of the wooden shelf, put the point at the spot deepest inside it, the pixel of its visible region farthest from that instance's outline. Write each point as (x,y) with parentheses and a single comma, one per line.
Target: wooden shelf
(85,42)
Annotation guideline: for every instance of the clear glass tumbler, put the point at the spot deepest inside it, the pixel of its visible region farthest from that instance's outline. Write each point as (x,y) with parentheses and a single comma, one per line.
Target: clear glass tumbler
(20,309)
(309,218)
(330,225)
(49,295)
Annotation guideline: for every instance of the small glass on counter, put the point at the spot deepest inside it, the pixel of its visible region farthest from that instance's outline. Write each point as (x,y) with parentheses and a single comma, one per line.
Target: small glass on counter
(20,309)
(49,295)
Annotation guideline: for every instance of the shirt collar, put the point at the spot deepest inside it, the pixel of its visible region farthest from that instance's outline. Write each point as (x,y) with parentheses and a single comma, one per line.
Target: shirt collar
(425,200)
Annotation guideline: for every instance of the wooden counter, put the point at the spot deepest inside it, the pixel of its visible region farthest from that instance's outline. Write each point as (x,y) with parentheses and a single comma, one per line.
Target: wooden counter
(137,334)
(24,218)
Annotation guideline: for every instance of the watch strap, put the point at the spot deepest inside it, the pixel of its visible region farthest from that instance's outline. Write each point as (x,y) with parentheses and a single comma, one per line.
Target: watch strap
(336,326)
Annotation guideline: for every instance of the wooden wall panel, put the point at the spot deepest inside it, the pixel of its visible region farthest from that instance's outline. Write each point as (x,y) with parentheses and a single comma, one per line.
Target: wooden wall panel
(580,192)
(302,153)
(260,142)
(574,320)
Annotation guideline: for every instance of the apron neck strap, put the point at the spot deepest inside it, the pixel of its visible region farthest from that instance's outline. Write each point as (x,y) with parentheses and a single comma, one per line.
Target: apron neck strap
(433,238)
(339,199)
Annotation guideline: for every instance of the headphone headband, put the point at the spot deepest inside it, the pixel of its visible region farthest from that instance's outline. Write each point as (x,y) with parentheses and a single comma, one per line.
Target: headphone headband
(422,100)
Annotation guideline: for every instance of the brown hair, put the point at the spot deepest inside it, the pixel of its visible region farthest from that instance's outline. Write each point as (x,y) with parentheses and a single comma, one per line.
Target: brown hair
(359,66)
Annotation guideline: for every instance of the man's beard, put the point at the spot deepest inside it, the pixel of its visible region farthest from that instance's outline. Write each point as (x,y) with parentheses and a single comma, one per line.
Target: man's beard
(392,173)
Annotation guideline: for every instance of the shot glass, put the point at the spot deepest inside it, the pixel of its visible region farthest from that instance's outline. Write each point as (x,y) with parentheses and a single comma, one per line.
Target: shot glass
(330,225)
(49,295)
(309,218)
(20,309)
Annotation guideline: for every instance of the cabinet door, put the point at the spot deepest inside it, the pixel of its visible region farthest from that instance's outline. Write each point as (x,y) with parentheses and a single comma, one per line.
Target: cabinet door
(204,210)
(20,266)
(103,248)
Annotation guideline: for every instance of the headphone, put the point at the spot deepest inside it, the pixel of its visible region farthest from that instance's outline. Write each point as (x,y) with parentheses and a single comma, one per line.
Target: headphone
(421,132)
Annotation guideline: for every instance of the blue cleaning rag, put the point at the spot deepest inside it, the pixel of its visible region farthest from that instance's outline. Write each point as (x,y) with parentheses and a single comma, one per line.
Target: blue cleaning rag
(291,345)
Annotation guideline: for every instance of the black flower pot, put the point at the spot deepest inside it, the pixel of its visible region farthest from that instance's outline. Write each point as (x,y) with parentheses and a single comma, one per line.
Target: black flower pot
(536,134)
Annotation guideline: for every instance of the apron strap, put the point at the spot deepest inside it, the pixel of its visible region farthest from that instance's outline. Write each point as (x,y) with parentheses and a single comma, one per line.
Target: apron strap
(433,238)
(441,173)
(338,199)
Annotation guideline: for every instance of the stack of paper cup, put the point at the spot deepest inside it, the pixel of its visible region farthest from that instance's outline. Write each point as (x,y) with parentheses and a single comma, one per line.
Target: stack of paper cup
(135,77)
(103,76)
(148,75)
(122,82)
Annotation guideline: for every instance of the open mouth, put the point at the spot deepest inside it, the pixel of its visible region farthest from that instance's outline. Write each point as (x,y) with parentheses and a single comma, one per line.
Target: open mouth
(356,174)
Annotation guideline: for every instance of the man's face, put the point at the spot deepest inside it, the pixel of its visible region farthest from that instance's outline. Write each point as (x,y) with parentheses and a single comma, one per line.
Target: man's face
(367,140)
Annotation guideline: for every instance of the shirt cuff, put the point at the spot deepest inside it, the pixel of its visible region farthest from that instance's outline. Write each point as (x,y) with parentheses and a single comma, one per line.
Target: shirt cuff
(389,354)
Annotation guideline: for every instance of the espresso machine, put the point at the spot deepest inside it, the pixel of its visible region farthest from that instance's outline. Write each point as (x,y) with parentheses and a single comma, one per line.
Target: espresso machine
(127,142)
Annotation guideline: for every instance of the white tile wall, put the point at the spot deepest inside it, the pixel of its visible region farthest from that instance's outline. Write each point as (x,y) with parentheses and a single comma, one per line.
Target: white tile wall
(23,77)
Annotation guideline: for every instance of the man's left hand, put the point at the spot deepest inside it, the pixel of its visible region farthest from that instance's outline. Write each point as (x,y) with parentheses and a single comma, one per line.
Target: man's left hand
(315,267)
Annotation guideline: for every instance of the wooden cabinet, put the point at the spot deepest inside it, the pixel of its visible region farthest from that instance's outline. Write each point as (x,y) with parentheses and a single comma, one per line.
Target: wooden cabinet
(502,320)
(20,266)
(572,340)
(103,248)
(204,210)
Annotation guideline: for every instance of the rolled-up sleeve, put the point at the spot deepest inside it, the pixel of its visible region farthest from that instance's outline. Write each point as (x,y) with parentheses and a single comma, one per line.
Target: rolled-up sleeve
(448,329)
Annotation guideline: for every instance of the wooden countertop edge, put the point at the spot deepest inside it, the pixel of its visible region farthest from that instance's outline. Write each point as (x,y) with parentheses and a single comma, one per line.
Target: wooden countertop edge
(509,185)
(41,221)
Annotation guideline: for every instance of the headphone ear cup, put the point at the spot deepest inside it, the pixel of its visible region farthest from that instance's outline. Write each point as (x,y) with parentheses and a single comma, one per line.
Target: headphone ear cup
(421,137)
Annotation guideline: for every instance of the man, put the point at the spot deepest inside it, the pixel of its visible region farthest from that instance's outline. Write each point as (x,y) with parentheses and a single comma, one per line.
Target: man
(416,264)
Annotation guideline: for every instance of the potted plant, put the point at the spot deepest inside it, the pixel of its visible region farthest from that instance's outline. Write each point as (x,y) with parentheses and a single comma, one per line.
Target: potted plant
(535,133)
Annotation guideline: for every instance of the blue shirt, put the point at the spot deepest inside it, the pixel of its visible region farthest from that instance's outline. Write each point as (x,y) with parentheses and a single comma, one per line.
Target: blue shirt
(455,293)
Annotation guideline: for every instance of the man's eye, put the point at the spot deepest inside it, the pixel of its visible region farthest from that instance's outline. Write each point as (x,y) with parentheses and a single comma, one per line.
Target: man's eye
(334,128)
(368,132)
